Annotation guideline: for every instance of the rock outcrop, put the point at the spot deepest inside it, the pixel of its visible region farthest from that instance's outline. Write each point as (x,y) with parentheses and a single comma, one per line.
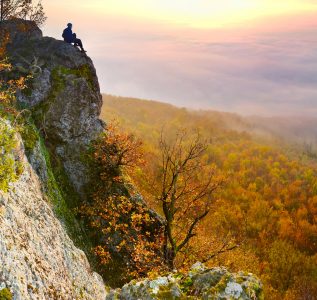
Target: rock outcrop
(199,283)
(63,94)
(38,260)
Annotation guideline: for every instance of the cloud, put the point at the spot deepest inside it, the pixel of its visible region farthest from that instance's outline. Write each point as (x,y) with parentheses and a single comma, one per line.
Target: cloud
(263,70)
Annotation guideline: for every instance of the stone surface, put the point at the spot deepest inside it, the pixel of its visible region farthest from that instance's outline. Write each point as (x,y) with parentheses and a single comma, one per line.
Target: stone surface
(199,283)
(38,259)
(64,94)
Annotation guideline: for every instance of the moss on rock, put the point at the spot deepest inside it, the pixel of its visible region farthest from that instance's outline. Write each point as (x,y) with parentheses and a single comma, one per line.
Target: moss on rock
(30,136)
(81,72)
(5,294)
(199,283)
(10,165)
(59,78)
(57,85)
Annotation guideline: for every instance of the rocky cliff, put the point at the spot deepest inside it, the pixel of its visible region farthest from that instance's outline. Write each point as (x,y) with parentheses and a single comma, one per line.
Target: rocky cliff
(42,172)
(38,260)
(63,94)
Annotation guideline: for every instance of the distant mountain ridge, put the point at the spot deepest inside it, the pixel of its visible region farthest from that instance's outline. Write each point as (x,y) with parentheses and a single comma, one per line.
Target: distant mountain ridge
(293,129)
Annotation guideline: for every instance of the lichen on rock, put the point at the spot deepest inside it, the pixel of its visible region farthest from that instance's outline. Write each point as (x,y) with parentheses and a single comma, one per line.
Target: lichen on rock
(10,164)
(199,283)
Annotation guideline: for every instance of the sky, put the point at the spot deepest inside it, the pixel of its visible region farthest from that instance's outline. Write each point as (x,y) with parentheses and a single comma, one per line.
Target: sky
(245,56)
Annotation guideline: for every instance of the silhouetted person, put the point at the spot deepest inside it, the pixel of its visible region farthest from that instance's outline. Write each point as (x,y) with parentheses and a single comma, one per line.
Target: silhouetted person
(70,37)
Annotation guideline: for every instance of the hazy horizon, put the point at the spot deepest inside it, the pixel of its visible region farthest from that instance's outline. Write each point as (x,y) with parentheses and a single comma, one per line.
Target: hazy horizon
(249,57)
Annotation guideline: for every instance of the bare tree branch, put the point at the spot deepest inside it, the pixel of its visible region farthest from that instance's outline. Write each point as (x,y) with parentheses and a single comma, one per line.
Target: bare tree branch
(185,198)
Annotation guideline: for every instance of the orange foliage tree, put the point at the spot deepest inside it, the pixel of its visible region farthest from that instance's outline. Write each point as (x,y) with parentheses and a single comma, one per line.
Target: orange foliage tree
(124,228)
(8,87)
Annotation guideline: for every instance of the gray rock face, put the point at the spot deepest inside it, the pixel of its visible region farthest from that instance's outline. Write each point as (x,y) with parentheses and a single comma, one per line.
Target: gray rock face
(38,260)
(64,95)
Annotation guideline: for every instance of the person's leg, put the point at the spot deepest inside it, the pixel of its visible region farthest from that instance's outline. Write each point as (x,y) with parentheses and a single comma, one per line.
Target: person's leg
(78,42)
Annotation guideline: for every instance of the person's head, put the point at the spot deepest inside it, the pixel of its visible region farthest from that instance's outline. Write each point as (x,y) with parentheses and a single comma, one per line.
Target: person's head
(70,25)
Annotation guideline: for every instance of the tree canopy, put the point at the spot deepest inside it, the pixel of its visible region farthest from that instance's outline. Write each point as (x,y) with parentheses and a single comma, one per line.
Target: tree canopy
(266,212)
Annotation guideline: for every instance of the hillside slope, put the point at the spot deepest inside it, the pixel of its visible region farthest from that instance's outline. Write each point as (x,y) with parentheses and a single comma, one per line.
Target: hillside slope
(268,205)
(297,130)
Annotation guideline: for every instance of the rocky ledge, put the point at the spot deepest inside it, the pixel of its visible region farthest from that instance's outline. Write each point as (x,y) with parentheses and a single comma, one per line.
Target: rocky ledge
(63,94)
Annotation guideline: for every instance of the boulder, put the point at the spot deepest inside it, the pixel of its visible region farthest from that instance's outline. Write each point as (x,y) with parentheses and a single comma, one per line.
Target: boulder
(199,283)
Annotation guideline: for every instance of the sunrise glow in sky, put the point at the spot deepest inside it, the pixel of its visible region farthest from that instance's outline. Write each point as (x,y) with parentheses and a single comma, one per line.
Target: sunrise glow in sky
(205,13)
(245,56)
(195,13)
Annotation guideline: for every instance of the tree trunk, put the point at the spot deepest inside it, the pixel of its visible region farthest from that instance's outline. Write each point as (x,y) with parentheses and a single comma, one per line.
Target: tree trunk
(169,258)
(1,13)
(169,252)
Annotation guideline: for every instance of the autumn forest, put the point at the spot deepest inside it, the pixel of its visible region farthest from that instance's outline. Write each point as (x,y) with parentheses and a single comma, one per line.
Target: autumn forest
(261,191)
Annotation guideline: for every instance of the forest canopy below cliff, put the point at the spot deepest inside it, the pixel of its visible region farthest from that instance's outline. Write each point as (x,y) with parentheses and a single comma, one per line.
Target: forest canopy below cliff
(268,205)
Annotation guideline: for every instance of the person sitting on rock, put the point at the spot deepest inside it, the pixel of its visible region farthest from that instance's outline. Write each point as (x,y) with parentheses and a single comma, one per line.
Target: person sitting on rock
(70,37)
